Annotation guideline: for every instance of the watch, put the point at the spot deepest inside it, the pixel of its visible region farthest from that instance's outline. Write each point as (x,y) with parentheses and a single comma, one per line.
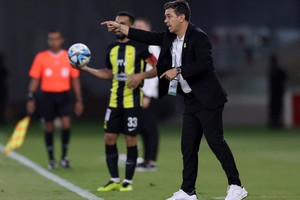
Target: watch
(178,69)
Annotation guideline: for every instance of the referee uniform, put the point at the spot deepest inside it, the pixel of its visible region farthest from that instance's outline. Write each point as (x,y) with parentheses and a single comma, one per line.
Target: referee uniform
(54,73)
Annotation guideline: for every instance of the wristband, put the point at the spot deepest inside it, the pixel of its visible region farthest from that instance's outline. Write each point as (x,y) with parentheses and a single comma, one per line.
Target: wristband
(30,95)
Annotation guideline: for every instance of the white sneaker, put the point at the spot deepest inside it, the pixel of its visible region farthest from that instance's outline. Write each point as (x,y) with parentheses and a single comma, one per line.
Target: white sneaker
(235,192)
(181,195)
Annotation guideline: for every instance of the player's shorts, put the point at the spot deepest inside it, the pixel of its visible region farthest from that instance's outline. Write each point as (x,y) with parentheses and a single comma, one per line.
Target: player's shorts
(52,105)
(122,120)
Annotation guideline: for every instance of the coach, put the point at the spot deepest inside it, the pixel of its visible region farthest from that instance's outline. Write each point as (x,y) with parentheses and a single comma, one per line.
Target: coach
(186,57)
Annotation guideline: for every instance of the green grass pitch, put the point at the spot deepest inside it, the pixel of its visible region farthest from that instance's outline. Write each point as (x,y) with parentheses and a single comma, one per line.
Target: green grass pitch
(268,161)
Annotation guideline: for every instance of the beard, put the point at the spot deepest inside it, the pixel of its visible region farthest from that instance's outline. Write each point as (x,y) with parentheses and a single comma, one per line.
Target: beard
(121,36)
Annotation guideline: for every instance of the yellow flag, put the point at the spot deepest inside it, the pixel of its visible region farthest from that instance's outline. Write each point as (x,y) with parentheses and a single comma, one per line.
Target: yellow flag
(18,136)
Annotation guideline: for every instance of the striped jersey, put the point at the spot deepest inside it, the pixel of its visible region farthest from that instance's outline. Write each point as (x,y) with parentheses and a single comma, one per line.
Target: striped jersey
(125,59)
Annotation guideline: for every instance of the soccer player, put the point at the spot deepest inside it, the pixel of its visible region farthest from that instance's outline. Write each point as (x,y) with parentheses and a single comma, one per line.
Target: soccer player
(52,72)
(185,66)
(148,122)
(125,65)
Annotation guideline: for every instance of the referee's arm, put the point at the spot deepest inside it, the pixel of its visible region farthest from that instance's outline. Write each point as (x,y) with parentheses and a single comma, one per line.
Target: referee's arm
(77,90)
(33,86)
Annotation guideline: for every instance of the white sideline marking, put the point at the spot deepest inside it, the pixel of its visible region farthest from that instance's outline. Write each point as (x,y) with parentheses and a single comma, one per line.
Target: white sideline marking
(56,179)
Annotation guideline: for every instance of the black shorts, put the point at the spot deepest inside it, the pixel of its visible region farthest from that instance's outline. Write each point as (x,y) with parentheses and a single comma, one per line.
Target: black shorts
(122,120)
(54,104)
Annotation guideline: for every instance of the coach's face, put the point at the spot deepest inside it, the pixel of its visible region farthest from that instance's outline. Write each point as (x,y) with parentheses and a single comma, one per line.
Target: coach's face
(124,20)
(173,22)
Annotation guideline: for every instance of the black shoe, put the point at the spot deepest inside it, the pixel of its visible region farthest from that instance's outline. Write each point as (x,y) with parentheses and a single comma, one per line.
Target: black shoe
(52,165)
(65,163)
(145,167)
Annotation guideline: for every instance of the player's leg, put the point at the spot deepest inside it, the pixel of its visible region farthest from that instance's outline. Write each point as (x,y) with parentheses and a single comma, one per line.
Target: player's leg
(111,155)
(131,128)
(64,108)
(150,137)
(46,109)
(212,124)
(132,155)
(112,125)
(190,142)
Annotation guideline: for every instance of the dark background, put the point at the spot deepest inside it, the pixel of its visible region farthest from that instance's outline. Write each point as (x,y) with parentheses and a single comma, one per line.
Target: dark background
(24,25)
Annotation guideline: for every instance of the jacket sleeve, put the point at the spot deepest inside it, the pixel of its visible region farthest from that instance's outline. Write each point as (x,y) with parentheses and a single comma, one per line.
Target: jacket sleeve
(146,37)
(202,59)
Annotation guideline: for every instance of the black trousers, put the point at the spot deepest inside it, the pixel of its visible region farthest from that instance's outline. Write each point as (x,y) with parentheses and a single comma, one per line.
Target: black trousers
(197,120)
(149,131)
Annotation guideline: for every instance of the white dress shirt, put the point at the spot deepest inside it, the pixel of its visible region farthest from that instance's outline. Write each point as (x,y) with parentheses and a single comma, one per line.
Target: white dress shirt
(176,62)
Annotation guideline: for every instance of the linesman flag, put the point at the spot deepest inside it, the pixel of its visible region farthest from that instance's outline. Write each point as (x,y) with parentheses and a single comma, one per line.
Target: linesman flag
(18,136)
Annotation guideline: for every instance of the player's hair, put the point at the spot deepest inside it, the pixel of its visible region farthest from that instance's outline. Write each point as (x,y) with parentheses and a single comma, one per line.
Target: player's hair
(143,19)
(180,7)
(127,14)
(53,30)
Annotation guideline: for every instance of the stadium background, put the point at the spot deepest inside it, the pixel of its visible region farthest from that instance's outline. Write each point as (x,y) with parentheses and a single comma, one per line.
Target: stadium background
(244,34)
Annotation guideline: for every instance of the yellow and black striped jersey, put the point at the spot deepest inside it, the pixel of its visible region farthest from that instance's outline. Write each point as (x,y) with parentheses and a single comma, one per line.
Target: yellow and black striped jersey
(125,59)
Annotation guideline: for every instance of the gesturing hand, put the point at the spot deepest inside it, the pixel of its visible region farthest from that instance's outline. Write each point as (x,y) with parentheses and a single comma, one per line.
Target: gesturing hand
(170,74)
(112,26)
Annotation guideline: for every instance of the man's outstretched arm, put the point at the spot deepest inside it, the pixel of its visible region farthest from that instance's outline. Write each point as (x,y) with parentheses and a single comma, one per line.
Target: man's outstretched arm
(146,37)
(113,26)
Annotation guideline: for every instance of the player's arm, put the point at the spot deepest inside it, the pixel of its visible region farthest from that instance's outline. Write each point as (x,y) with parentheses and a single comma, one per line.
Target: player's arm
(78,95)
(137,79)
(33,87)
(105,74)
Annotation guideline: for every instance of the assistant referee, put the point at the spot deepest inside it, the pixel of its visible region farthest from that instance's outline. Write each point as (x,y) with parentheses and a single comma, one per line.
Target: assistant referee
(52,72)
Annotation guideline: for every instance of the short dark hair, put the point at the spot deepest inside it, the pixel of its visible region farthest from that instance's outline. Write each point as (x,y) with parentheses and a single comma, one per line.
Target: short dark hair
(53,30)
(127,14)
(143,19)
(180,7)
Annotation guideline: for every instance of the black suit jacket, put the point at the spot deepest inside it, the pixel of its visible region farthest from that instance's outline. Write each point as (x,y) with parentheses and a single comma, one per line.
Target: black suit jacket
(197,63)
